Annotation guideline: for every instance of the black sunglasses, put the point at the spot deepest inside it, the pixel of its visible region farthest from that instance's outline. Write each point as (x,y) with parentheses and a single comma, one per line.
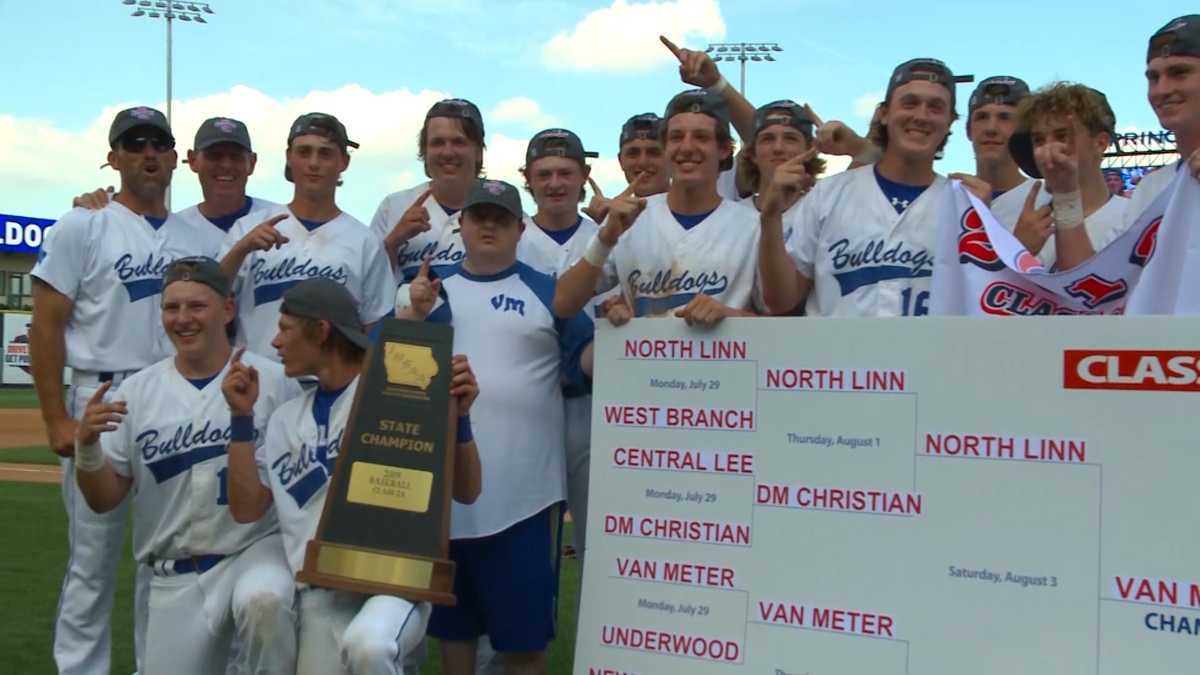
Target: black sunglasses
(133,143)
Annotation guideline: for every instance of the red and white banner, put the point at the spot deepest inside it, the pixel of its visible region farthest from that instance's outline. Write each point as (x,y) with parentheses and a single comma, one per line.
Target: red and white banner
(981,268)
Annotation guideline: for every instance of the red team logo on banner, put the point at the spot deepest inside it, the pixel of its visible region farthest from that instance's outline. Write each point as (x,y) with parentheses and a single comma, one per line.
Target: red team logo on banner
(1094,290)
(1143,250)
(973,244)
(1147,370)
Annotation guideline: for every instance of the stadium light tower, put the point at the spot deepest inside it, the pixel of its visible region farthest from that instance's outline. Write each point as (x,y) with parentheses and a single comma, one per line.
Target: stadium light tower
(192,12)
(743,52)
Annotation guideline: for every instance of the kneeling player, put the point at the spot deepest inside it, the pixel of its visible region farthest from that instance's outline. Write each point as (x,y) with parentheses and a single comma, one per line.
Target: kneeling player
(163,438)
(320,335)
(525,355)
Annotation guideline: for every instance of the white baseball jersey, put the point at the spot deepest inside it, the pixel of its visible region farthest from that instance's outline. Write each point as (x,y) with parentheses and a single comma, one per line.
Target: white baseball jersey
(863,257)
(215,231)
(661,265)
(1150,186)
(1008,206)
(543,253)
(1103,225)
(521,355)
(172,443)
(110,263)
(727,185)
(297,460)
(442,242)
(342,249)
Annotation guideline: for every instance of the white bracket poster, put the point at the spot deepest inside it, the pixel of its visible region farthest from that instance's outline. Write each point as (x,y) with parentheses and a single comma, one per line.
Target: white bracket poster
(933,496)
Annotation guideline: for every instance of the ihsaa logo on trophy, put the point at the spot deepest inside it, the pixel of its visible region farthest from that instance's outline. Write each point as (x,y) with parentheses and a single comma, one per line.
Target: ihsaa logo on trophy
(410,368)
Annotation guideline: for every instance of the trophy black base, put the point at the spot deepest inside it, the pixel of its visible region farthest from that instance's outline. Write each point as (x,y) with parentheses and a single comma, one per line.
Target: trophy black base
(375,572)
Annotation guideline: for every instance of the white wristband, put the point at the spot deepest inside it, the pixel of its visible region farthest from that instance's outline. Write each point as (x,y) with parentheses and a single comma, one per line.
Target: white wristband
(720,86)
(1067,209)
(89,457)
(597,251)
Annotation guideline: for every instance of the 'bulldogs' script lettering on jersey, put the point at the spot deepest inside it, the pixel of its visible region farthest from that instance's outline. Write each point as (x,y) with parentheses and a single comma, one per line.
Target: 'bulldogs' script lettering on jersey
(270,283)
(448,251)
(682,287)
(874,262)
(304,473)
(141,279)
(169,452)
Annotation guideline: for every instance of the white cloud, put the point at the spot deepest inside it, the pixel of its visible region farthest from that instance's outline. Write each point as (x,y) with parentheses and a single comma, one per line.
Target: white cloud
(624,36)
(864,106)
(523,110)
(43,166)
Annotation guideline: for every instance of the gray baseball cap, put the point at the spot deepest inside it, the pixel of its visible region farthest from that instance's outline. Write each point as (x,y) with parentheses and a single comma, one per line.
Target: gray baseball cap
(785,112)
(1180,37)
(321,124)
(1002,89)
(457,108)
(132,118)
(928,70)
(200,269)
(643,127)
(556,143)
(698,101)
(496,192)
(222,130)
(326,300)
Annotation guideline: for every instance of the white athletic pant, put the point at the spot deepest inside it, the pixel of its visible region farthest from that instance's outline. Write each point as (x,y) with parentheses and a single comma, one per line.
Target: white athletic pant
(194,617)
(82,626)
(345,633)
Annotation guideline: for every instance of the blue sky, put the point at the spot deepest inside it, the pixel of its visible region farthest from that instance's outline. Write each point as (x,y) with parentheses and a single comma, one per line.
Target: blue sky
(528,64)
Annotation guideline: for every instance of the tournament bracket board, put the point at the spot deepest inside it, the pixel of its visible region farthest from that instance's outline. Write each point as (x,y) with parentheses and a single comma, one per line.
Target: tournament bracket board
(933,496)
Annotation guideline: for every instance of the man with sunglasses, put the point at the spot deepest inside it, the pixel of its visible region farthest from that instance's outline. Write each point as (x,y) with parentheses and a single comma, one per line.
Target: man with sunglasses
(162,438)
(268,253)
(95,290)
(223,160)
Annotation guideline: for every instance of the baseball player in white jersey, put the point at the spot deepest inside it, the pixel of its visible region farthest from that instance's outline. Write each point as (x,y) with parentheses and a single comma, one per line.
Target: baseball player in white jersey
(162,439)
(320,335)
(641,158)
(98,274)
(554,239)
(1062,133)
(782,130)
(310,237)
(991,121)
(689,252)
(861,242)
(422,222)
(1173,89)
(500,309)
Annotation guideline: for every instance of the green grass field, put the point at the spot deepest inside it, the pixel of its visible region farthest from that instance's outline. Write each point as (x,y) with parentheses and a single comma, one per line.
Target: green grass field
(34,536)
(34,455)
(18,397)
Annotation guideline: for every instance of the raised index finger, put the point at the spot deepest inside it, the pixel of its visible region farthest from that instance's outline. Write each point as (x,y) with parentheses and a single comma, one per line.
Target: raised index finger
(274,220)
(237,356)
(100,391)
(423,273)
(1031,198)
(627,192)
(595,188)
(671,45)
(421,200)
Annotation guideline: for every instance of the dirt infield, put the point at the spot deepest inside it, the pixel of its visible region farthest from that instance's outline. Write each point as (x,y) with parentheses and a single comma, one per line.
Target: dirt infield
(21,428)
(30,473)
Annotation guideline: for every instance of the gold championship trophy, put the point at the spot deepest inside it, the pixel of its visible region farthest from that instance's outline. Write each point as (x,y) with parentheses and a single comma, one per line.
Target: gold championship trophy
(385,526)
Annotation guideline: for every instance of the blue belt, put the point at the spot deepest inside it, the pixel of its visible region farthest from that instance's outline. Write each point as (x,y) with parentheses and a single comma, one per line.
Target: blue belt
(198,564)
